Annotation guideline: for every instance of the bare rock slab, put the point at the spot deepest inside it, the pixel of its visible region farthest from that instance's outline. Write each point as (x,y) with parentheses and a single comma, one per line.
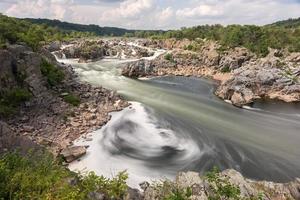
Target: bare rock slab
(73,153)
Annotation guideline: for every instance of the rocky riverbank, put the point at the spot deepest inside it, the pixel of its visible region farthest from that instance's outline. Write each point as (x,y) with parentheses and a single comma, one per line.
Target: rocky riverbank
(228,184)
(243,76)
(49,119)
(93,50)
(55,115)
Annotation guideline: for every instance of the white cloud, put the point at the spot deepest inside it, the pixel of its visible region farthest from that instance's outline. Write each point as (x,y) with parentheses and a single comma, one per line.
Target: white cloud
(40,8)
(155,14)
(199,11)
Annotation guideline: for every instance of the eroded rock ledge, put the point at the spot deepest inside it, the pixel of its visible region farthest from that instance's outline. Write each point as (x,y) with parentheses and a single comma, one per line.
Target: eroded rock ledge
(201,188)
(47,119)
(93,50)
(243,76)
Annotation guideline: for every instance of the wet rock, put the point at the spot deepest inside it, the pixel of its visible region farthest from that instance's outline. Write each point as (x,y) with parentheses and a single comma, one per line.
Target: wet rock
(73,153)
(144,185)
(133,194)
(138,69)
(54,46)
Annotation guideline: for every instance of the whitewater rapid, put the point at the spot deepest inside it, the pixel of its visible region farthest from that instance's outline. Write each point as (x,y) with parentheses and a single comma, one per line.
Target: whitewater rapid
(134,141)
(178,124)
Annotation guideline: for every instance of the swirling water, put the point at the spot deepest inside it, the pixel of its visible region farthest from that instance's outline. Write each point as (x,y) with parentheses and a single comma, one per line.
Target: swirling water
(177,124)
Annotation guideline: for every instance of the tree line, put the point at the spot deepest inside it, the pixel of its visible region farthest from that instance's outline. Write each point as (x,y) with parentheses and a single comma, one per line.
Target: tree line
(13,30)
(281,35)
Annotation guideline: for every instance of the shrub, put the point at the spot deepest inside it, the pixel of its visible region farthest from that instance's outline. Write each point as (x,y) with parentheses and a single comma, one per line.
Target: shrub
(188,47)
(114,188)
(71,99)
(221,187)
(54,75)
(29,177)
(169,57)
(11,99)
(225,69)
(168,190)
(39,176)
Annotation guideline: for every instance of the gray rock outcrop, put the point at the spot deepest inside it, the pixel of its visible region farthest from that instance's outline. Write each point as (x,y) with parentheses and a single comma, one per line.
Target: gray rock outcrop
(73,153)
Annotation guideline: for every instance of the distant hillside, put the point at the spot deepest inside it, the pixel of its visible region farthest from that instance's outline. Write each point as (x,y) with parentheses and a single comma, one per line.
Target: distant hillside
(100,31)
(290,23)
(14,30)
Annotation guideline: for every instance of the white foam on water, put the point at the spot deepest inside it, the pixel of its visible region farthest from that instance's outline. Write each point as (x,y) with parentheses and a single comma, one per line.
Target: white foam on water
(228,101)
(115,147)
(251,108)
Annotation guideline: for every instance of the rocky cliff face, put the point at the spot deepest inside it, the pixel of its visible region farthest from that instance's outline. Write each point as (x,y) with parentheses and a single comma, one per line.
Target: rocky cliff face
(47,118)
(243,76)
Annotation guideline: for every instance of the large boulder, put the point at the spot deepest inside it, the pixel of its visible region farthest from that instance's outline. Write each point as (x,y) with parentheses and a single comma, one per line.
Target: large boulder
(234,59)
(138,69)
(54,46)
(9,141)
(193,181)
(210,54)
(73,153)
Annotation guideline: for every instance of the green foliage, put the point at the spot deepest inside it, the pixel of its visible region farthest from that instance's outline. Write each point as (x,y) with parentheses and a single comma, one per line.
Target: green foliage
(114,188)
(169,57)
(38,176)
(13,30)
(168,190)
(89,30)
(221,187)
(255,38)
(179,194)
(194,46)
(71,99)
(225,69)
(54,75)
(290,23)
(10,99)
(29,177)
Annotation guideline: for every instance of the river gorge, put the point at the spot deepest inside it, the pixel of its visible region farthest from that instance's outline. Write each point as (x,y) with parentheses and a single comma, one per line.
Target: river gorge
(178,124)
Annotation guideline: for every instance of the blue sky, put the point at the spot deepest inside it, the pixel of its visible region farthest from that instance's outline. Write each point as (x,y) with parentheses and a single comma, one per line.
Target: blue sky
(155,14)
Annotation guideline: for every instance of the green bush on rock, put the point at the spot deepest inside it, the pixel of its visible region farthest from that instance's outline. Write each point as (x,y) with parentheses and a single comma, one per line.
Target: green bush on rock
(221,187)
(39,176)
(169,57)
(226,69)
(10,99)
(71,99)
(54,75)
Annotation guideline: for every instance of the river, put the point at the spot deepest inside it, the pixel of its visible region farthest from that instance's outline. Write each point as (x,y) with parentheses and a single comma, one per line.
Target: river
(178,124)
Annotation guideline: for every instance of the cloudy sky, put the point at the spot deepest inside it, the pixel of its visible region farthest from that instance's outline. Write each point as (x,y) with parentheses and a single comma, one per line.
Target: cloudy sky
(155,14)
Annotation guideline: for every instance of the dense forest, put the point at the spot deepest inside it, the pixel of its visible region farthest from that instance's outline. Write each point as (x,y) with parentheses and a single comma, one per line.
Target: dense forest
(13,30)
(280,35)
(290,23)
(97,30)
